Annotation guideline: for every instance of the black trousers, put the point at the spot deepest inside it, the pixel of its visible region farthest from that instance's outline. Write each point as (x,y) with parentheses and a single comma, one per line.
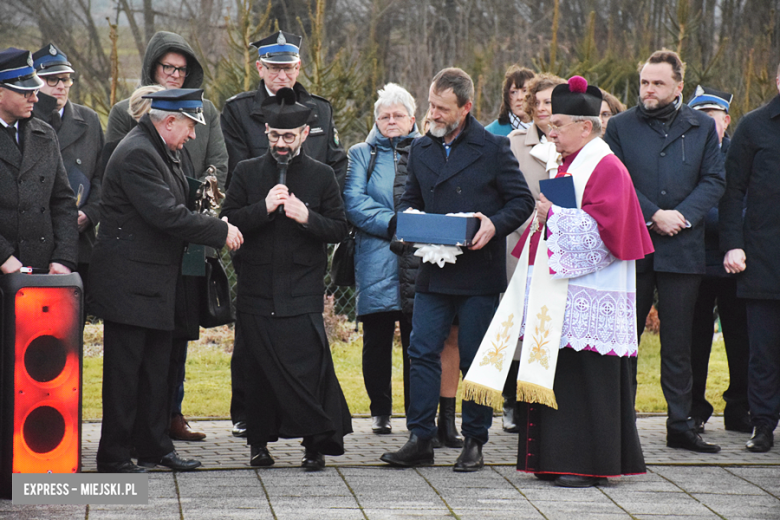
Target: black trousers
(733,319)
(237,379)
(764,370)
(378,331)
(677,295)
(135,393)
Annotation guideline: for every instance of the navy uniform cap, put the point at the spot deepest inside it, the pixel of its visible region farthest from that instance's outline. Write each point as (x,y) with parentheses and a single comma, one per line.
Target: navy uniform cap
(16,70)
(187,101)
(576,98)
(283,111)
(708,98)
(281,47)
(51,60)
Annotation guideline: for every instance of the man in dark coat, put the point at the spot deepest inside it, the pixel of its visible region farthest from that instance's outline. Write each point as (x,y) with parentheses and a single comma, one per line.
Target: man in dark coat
(243,118)
(673,155)
(144,225)
(243,123)
(81,141)
(457,167)
(291,386)
(721,287)
(37,208)
(170,61)
(752,249)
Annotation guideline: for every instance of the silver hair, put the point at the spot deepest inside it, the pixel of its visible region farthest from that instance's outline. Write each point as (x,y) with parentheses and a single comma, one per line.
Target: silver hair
(157,115)
(392,94)
(595,121)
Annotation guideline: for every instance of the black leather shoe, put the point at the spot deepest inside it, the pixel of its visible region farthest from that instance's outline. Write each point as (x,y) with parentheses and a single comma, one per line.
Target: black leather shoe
(508,419)
(470,459)
(576,481)
(447,431)
(313,461)
(259,456)
(762,440)
(380,424)
(698,425)
(416,452)
(119,467)
(239,429)
(173,461)
(738,422)
(690,440)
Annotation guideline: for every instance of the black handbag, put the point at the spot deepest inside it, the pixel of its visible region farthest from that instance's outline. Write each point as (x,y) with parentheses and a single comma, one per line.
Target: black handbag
(342,266)
(215,308)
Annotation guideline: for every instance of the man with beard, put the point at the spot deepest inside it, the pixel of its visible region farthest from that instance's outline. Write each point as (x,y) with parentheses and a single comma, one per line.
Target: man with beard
(673,155)
(37,207)
(80,137)
(243,122)
(457,167)
(289,208)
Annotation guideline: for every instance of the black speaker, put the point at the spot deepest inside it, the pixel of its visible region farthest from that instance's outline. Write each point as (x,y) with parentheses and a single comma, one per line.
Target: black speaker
(41,375)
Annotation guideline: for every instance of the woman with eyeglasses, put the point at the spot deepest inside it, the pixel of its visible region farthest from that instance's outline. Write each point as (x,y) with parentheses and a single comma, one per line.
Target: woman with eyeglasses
(368,199)
(610,106)
(512,114)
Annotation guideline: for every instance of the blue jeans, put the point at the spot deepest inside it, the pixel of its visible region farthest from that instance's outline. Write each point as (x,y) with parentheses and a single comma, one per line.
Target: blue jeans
(431,323)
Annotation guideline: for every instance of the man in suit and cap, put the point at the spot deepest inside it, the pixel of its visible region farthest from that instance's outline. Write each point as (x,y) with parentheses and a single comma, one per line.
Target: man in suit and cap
(243,124)
(719,288)
(144,225)
(80,136)
(37,209)
(289,208)
(457,167)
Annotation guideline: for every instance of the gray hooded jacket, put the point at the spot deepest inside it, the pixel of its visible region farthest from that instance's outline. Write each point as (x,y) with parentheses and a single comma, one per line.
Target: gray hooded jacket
(209,146)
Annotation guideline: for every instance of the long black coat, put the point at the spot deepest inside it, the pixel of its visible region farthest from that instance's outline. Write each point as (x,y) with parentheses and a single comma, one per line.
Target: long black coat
(681,170)
(38,216)
(481,174)
(282,264)
(81,144)
(753,167)
(144,224)
(243,124)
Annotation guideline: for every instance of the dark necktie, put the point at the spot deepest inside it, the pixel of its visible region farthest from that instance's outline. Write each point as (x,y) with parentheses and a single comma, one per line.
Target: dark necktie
(56,120)
(12,132)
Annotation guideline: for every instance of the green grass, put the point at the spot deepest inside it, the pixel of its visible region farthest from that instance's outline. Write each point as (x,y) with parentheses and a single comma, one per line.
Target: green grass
(207,389)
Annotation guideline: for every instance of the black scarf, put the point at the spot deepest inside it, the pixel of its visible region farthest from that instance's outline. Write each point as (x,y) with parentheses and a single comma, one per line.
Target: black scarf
(664,114)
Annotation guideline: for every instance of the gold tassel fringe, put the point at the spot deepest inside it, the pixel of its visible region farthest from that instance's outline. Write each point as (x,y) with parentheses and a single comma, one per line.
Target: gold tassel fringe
(482,394)
(531,393)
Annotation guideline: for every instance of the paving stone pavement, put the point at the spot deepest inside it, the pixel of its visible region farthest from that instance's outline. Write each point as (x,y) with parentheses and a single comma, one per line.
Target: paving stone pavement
(734,484)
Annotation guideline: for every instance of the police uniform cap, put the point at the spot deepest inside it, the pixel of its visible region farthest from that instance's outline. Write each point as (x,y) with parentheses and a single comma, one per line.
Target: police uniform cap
(576,98)
(705,98)
(280,47)
(51,60)
(16,70)
(187,101)
(283,111)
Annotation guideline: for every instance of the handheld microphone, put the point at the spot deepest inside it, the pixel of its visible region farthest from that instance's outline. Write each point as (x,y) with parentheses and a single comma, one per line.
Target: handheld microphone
(282,162)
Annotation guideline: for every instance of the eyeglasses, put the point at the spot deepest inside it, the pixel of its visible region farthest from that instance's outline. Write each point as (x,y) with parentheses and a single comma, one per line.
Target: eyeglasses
(288,138)
(556,128)
(170,69)
(605,115)
(274,69)
(388,117)
(53,81)
(26,93)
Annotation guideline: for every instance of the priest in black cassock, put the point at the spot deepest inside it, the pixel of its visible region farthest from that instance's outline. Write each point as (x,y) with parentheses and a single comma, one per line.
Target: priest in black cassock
(287,220)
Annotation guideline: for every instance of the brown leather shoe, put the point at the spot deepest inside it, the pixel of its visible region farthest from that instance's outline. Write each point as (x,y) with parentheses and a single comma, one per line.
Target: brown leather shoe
(180,430)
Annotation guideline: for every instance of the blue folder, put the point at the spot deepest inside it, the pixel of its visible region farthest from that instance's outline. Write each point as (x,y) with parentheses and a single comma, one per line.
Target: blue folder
(559,191)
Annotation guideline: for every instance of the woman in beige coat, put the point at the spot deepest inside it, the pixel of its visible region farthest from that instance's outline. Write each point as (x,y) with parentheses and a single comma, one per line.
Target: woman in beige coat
(537,157)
